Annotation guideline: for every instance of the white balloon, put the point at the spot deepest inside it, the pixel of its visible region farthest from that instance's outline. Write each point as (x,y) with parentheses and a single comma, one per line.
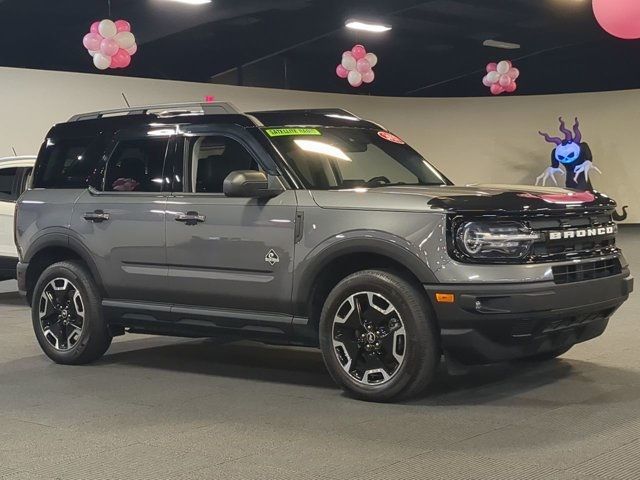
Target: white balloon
(503,67)
(132,50)
(101,61)
(125,40)
(107,28)
(355,78)
(349,62)
(372,58)
(493,77)
(92,53)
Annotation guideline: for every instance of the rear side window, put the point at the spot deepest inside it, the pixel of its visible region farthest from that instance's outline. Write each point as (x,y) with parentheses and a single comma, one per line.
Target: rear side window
(63,164)
(137,166)
(7,177)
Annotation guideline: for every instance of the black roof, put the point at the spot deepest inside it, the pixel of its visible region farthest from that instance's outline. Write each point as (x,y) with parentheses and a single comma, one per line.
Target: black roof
(90,124)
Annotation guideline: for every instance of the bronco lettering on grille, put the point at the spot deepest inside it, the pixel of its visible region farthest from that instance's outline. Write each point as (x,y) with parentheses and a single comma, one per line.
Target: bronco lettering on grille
(583,233)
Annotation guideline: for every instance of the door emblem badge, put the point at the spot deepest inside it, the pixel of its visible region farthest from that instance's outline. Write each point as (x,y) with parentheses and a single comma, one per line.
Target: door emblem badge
(271,257)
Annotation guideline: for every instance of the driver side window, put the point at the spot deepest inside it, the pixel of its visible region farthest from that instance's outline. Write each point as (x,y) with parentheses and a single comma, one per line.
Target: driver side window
(213,158)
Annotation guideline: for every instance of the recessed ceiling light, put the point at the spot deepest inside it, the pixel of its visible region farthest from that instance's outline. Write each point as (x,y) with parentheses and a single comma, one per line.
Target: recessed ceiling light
(367,27)
(504,45)
(191,2)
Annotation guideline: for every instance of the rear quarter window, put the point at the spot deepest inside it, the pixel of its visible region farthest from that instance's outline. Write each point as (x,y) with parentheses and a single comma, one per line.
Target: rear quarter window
(64,163)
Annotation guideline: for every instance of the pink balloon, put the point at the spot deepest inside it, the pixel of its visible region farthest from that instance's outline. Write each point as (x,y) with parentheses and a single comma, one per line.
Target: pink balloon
(121,59)
(514,73)
(505,81)
(94,27)
(492,67)
(368,77)
(496,89)
(123,26)
(363,65)
(341,71)
(109,47)
(621,18)
(91,41)
(486,82)
(511,87)
(358,51)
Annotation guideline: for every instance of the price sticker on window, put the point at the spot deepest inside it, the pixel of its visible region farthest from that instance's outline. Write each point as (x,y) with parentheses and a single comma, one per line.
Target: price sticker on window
(292,132)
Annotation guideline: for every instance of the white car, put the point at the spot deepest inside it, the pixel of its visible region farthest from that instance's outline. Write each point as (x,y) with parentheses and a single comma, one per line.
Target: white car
(15,174)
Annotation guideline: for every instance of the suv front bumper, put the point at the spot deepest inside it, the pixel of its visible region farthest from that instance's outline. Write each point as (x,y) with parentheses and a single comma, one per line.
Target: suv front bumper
(492,323)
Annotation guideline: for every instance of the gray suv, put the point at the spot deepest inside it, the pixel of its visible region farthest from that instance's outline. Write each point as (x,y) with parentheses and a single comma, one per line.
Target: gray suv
(304,227)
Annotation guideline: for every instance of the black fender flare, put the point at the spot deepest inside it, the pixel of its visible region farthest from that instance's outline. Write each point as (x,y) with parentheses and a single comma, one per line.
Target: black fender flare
(394,248)
(63,238)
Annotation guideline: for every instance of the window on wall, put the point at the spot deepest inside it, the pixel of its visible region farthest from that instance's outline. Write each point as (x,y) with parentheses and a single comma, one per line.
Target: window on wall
(64,164)
(137,166)
(7,176)
(213,158)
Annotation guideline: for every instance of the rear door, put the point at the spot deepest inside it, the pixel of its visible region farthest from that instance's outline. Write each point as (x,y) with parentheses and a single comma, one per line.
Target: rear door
(122,223)
(233,264)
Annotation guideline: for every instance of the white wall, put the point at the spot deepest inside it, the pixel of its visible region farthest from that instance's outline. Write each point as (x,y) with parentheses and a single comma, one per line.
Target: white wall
(490,140)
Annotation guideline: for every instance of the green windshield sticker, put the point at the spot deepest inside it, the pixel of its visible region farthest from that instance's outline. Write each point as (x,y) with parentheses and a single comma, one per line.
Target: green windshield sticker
(289,132)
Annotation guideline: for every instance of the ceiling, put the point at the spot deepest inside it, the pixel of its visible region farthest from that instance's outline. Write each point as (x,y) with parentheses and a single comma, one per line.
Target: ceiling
(435,48)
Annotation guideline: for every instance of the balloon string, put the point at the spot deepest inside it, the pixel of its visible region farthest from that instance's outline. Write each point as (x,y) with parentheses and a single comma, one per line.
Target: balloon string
(109,4)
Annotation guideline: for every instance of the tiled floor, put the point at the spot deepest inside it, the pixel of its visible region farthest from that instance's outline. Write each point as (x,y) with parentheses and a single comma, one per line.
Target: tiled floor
(166,408)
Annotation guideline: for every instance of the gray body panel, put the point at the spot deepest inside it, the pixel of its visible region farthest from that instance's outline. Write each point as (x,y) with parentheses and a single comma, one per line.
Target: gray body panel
(220,262)
(129,248)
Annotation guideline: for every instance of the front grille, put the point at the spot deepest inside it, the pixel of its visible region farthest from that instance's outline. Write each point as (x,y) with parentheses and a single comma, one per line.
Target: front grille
(547,249)
(586,271)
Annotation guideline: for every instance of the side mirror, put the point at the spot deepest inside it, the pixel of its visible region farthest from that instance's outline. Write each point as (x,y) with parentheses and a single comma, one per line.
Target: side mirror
(249,184)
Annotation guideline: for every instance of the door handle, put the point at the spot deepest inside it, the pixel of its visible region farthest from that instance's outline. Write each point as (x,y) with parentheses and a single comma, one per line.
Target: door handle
(191,218)
(97,216)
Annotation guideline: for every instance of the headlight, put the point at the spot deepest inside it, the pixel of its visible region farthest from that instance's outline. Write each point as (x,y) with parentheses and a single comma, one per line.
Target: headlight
(495,240)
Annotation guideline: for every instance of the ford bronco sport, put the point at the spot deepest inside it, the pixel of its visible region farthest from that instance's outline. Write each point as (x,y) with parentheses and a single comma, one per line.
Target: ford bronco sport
(312,228)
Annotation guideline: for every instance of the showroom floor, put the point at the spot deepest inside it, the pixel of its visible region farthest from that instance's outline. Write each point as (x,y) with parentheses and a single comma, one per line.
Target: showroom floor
(165,408)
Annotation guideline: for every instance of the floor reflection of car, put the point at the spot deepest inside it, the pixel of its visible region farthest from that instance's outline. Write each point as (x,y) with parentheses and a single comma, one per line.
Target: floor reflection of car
(15,173)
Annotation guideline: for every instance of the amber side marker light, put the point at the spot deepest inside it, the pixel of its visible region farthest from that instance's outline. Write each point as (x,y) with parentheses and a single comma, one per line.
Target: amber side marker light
(445,298)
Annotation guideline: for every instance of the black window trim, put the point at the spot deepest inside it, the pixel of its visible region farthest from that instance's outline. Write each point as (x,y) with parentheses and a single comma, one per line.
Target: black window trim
(218,131)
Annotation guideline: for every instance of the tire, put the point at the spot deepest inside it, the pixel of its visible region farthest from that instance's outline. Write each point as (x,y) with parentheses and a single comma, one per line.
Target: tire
(407,349)
(67,315)
(547,356)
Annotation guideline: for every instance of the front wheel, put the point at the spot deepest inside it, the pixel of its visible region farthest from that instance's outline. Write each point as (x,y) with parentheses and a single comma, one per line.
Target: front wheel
(377,338)
(67,315)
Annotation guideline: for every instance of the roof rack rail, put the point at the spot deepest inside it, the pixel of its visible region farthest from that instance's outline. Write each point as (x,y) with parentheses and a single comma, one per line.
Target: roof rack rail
(164,110)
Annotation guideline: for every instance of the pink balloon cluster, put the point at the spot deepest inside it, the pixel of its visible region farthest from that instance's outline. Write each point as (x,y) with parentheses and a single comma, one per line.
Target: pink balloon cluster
(357,66)
(111,44)
(501,77)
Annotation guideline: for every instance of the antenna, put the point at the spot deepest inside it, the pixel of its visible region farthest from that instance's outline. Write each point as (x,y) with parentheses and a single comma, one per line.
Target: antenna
(14,152)
(125,100)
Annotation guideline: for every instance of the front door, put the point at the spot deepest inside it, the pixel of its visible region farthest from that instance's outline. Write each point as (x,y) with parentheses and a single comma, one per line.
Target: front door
(122,223)
(230,259)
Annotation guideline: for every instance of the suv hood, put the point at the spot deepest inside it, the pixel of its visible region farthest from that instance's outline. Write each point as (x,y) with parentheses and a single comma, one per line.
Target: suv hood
(472,198)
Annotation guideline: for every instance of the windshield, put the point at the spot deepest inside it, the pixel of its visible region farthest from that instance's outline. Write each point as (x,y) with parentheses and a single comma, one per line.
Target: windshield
(327,158)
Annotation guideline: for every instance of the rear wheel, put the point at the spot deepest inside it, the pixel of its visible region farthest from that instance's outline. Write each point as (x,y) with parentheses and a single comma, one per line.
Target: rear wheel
(377,339)
(67,315)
